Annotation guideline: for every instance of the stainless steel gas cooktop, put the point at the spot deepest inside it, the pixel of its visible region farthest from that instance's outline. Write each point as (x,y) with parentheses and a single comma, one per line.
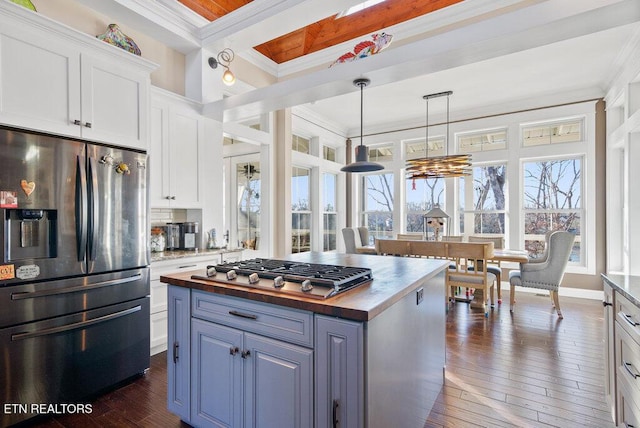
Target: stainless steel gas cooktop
(289,277)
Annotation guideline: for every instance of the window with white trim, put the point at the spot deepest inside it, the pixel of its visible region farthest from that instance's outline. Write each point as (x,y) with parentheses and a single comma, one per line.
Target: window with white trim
(482,201)
(552,200)
(561,131)
(378,199)
(421,197)
(330,213)
(300,210)
(482,141)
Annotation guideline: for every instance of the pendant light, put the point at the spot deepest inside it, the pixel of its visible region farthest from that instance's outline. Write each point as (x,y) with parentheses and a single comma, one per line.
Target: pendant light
(438,166)
(362,163)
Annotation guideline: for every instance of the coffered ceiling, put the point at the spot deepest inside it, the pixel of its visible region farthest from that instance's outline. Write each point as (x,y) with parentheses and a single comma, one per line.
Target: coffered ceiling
(329,31)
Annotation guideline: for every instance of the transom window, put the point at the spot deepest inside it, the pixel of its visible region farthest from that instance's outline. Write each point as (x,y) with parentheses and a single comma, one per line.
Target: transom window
(329,153)
(565,131)
(300,144)
(381,153)
(415,149)
(482,141)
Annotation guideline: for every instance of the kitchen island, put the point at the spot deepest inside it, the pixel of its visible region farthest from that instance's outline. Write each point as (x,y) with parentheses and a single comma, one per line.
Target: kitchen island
(372,356)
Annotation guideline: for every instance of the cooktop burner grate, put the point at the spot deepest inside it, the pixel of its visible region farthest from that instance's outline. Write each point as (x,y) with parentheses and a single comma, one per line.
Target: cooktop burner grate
(334,276)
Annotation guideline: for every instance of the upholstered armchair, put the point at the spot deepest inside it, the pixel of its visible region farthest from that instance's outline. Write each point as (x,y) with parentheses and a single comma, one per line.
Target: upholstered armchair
(547,274)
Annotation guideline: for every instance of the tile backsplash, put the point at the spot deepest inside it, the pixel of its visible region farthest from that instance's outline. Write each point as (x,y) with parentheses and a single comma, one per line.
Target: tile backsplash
(161,216)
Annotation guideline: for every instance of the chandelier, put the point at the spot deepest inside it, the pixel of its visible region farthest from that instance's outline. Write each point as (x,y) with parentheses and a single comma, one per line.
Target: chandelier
(438,166)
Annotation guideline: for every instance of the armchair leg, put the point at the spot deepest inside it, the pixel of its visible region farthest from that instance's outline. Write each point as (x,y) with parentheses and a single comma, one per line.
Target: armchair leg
(512,297)
(556,303)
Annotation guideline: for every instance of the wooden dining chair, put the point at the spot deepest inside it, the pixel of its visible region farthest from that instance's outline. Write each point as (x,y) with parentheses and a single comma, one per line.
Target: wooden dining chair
(392,247)
(471,269)
(498,242)
(415,236)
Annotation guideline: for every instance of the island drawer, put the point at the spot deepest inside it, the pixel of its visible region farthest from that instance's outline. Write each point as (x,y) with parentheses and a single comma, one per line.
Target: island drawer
(290,325)
(628,316)
(628,412)
(628,362)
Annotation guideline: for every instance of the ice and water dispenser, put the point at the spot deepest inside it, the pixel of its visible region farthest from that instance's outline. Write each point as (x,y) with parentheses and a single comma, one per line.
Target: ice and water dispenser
(30,234)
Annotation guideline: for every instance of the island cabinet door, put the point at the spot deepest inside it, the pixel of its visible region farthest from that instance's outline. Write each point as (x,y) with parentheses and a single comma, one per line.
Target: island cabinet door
(278,383)
(339,376)
(178,352)
(216,375)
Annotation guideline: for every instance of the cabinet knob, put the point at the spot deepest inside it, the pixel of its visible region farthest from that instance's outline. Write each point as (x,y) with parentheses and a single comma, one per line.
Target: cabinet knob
(77,122)
(605,304)
(246,354)
(87,124)
(234,350)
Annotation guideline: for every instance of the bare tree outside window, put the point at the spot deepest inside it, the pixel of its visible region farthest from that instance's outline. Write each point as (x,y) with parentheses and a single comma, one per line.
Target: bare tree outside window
(378,204)
(486,211)
(421,197)
(552,201)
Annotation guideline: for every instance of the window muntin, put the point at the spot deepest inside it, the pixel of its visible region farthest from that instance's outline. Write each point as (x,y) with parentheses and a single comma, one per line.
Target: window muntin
(422,196)
(300,144)
(552,200)
(416,149)
(330,213)
(482,201)
(482,141)
(300,210)
(565,131)
(378,198)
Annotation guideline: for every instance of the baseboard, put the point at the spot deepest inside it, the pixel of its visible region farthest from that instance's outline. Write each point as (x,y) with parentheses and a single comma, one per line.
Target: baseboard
(563,291)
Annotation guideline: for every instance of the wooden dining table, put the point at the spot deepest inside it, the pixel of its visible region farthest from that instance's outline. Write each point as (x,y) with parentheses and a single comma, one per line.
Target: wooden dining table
(499,255)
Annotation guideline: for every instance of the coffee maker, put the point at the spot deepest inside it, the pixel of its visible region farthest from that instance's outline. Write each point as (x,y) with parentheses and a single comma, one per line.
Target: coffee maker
(172,232)
(189,235)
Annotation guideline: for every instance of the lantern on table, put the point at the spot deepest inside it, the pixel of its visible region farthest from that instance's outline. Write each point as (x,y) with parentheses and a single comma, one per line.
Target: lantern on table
(434,223)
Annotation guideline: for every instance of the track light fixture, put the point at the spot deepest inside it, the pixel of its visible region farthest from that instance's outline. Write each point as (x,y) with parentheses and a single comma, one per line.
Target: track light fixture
(224,59)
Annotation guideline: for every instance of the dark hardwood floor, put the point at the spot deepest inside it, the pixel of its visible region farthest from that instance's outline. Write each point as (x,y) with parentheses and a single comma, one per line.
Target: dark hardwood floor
(527,369)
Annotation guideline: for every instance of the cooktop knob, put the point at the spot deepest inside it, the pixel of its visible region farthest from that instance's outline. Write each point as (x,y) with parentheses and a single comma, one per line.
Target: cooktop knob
(278,281)
(253,278)
(306,285)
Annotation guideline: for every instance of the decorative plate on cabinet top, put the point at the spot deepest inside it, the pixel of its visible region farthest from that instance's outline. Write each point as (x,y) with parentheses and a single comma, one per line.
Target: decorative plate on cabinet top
(25,3)
(114,36)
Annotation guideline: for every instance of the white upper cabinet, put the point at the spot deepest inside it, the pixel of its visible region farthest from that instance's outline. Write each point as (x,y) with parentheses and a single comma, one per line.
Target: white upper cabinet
(60,81)
(177,136)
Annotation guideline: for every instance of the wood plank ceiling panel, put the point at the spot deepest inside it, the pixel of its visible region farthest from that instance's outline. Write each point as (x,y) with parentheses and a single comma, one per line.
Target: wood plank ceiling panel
(329,31)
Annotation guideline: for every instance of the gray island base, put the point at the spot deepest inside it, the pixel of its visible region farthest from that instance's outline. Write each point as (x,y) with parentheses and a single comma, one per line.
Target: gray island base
(372,356)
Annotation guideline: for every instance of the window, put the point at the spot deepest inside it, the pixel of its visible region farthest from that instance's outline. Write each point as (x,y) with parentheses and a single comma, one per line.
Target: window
(248,214)
(422,196)
(482,201)
(357,8)
(416,149)
(552,201)
(330,214)
(378,204)
(329,153)
(300,144)
(482,141)
(300,210)
(565,131)
(381,153)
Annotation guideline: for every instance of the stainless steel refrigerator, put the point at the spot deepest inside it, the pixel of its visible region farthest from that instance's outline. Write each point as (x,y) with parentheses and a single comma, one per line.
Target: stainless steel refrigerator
(74,276)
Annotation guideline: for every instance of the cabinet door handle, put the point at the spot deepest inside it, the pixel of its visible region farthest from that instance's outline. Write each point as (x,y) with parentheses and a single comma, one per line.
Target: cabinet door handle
(168,198)
(77,122)
(334,414)
(186,266)
(234,350)
(630,320)
(246,354)
(605,304)
(242,315)
(626,425)
(176,356)
(173,198)
(87,124)
(628,367)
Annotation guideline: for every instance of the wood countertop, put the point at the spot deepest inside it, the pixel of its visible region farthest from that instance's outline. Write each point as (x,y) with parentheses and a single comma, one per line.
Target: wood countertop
(393,278)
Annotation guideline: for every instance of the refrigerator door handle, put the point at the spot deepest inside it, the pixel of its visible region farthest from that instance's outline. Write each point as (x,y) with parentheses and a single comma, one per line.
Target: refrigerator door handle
(74,326)
(53,292)
(81,209)
(94,211)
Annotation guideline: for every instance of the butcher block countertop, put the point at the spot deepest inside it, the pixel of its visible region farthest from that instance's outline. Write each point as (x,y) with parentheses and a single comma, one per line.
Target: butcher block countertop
(393,279)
